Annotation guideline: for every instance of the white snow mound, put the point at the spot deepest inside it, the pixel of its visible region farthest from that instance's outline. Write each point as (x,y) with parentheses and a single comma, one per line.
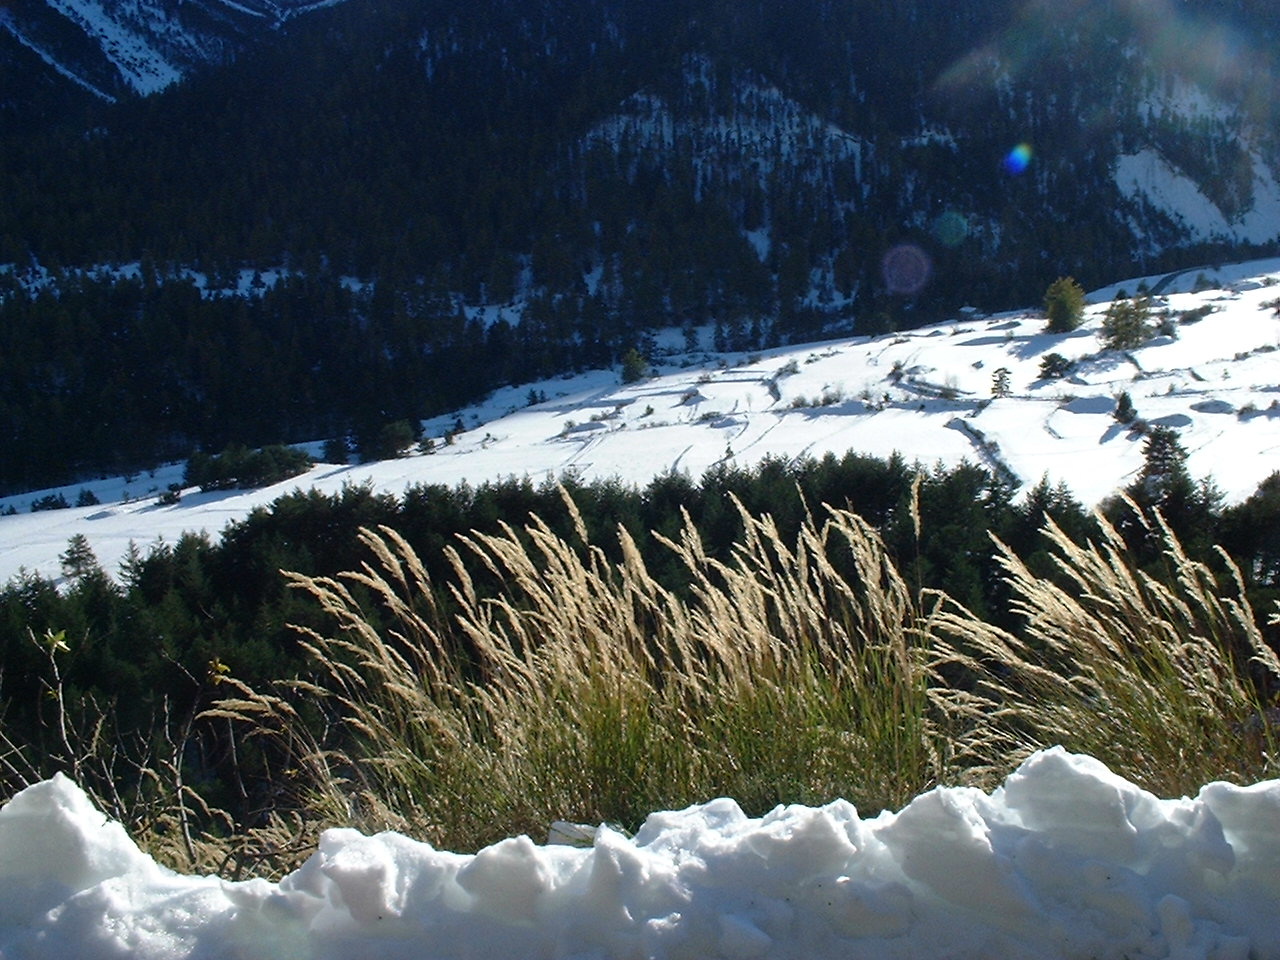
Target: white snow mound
(1064,861)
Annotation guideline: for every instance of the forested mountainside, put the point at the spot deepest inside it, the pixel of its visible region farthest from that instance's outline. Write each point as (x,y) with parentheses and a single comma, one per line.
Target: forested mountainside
(55,55)
(457,195)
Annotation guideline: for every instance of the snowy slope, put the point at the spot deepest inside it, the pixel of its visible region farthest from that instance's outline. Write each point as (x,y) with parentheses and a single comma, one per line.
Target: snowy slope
(142,45)
(926,393)
(1065,861)
(1149,175)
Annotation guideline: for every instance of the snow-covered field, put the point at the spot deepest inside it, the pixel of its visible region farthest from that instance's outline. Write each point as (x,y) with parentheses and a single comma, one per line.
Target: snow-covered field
(1065,861)
(925,393)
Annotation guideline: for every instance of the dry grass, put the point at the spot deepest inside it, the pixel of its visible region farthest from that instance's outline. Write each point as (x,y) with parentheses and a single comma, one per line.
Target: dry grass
(795,672)
(587,691)
(582,689)
(1157,677)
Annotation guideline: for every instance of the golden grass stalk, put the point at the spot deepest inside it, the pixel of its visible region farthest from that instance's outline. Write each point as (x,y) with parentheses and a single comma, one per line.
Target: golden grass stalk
(586,690)
(792,671)
(1157,677)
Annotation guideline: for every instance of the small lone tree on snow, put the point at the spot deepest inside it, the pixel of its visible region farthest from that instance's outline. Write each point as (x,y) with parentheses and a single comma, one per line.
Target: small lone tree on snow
(1125,411)
(1054,366)
(1064,305)
(1000,383)
(634,366)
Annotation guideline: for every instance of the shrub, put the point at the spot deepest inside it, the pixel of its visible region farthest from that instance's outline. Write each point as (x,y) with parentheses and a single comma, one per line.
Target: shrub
(137,777)
(1125,325)
(1064,305)
(1054,366)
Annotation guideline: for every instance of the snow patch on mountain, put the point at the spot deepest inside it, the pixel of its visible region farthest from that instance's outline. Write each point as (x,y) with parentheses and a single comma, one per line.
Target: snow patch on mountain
(142,65)
(9,25)
(758,131)
(148,45)
(1146,174)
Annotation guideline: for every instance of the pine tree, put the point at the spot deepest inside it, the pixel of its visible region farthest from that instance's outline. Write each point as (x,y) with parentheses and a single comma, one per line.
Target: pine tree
(78,560)
(1000,383)
(1125,411)
(1064,305)
(132,565)
(1164,485)
(1125,325)
(634,366)
(1054,366)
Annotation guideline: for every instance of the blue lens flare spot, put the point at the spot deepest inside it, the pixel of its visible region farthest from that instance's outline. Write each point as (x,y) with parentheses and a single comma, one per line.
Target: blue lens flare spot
(1017,160)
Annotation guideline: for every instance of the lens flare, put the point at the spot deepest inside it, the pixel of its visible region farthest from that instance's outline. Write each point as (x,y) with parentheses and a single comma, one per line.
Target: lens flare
(1017,160)
(906,269)
(951,228)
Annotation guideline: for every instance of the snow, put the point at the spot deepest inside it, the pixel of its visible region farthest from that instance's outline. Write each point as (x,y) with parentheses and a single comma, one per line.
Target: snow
(1065,861)
(7,22)
(141,64)
(926,394)
(1149,175)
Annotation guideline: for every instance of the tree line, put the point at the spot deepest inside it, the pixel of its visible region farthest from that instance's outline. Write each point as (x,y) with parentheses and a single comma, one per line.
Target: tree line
(155,635)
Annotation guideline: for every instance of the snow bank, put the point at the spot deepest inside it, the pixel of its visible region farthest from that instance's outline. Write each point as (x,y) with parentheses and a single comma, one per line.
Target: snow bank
(1065,861)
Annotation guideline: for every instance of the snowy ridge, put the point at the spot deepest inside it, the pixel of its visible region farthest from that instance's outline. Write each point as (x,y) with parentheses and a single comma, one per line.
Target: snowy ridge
(7,22)
(141,64)
(1212,377)
(147,44)
(1065,861)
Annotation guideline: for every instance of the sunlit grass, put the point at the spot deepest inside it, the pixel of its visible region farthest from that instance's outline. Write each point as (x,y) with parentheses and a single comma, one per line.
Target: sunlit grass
(571,686)
(1159,677)
(794,672)
(587,691)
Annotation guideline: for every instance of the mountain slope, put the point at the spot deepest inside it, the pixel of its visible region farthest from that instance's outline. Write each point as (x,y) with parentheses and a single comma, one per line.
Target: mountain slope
(926,394)
(121,48)
(404,136)
(520,189)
